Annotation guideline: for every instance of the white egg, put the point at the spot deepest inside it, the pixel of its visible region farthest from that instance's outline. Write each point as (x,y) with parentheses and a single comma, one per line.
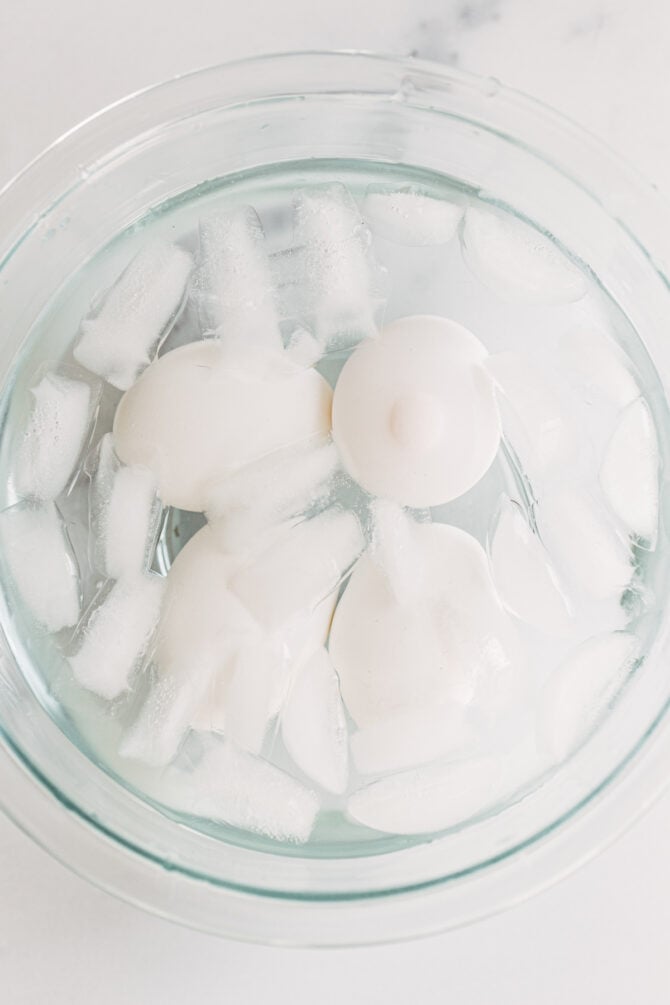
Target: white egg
(449,640)
(190,418)
(414,412)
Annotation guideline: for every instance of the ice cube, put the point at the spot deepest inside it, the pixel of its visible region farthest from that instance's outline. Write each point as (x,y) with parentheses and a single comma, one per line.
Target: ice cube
(300,569)
(408,216)
(169,709)
(118,339)
(125,514)
(314,727)
(337,274)
(234,283)
(245,791)
(409,738)
(580,689)
(428,798)
(38,555)
(58,428)
(535,419)
(517,261)
(599,365)
(629,472)
(453,642)
(285,483)
(116,635)
(162,421)
(258,684)
(524,575)
(396,550)
(584,544)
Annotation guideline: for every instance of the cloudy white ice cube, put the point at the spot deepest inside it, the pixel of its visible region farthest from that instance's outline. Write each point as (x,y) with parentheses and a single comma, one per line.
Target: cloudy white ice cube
(410,217)
(430,798)
(597,363)
(118,339)
(58,428)
(38,556)
(579,691)
(124,514)
(517,261)
(116,634)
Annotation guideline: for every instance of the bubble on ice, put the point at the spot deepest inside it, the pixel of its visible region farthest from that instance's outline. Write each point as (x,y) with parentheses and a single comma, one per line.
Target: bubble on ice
(234,283)
(523,573)
(318,553)
(629,471)
(237,788)
(596,361)
(337,273)
(314,727)
(413,737)
(426,799)
(118,339)
(124,514)
(516,261)
(37,552)
(116,634)
(535,419)
(584,544)
(410,217)
(285,483)
(303,348)
(580,689)
(58,428)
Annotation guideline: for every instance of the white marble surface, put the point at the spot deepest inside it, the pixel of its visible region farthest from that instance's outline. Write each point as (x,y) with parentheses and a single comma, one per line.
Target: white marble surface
(601,935)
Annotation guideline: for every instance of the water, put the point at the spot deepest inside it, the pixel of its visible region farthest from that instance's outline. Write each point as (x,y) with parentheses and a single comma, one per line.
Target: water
(571,366)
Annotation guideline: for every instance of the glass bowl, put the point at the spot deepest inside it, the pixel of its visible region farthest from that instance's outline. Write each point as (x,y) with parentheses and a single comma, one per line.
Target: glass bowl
(161,144)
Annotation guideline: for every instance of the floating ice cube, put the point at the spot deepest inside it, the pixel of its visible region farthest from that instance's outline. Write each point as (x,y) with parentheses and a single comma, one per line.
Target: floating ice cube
(301,569)
(285,483)
(583,542)
(516,261)
(237,788)
(579,691)
(58,428)
(162,421)
(314,727)
(427,799)
(125,514)
(523,573)
(536,421)
(407,216)
(119,338)
(410,738)
(395,549)
(595,360)
(629,472)
(337,274)
(167,713)
(116,635)
(40,561)
(258,683)
(234,283)
(452,642)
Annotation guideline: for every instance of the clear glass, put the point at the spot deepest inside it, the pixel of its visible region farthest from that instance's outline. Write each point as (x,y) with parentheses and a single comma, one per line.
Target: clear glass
(184,136)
